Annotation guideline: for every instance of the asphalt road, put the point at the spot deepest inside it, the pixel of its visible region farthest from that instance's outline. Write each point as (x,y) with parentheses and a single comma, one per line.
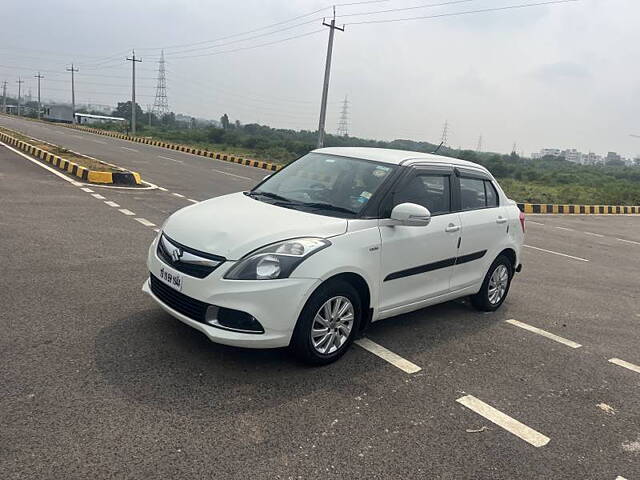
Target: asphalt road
(97,382)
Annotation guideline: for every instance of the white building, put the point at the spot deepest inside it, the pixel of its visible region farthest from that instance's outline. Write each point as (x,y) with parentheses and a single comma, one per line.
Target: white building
(572,155)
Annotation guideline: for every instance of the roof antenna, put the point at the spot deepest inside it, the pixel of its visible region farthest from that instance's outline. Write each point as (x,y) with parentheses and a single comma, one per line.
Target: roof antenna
(436,150)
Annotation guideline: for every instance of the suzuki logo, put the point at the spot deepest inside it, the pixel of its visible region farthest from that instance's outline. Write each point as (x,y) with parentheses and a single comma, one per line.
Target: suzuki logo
(176,254)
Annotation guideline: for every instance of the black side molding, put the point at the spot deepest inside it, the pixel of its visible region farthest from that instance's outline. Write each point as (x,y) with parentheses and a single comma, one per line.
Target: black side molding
(429,267)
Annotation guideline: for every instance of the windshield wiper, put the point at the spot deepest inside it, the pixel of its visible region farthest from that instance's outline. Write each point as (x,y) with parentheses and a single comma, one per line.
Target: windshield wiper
(275,196)
(328,206)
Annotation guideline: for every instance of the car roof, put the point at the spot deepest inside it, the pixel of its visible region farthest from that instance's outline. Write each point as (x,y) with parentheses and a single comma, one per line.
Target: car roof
(396,157)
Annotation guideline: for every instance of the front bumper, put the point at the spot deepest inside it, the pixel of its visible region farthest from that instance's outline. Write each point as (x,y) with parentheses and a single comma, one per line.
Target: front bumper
(276,304)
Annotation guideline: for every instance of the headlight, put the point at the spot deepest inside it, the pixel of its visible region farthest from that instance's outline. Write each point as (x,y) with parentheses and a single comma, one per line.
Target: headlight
(277,260)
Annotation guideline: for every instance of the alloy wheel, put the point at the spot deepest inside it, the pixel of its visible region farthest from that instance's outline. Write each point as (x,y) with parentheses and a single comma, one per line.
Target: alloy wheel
(498,284)
(332,325)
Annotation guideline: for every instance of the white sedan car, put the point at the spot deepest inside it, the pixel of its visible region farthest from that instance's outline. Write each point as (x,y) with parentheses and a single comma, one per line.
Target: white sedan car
(338,239)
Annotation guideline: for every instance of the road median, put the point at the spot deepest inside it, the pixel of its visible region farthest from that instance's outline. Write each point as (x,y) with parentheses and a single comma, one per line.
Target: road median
(545,208)
(75,164)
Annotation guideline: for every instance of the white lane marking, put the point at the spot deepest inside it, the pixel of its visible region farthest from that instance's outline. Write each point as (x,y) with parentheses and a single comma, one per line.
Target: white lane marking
(111,204)
(145,222)
(593,234)
(88,190)
(179,195)
(130,149)
(557,253)
(77,184)
(163,189)
(98,196)
(98,141)
(535,223)
(172,159)
(46,167)
(544,333)
(231,174)
(565,228)
(192,200)
(126,212)
(388,355)
(76,136)
(627,241)
(622,363)
(503,420)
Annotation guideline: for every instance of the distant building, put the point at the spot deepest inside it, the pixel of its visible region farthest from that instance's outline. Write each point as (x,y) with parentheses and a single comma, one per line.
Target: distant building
(592,159)
(547,152)
(58,113)
(613,157)
(572,155)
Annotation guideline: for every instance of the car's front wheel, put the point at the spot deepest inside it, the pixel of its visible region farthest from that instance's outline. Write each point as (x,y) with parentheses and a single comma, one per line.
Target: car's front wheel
(328,323)
(495,286)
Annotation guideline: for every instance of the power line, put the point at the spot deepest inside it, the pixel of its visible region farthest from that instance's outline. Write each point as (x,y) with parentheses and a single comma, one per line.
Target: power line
(426,5)
(467,12)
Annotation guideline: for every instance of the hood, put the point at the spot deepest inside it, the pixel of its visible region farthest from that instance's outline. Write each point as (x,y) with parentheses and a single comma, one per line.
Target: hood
(233,225)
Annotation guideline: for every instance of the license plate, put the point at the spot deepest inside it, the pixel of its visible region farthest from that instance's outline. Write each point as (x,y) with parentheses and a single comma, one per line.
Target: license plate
(173,279)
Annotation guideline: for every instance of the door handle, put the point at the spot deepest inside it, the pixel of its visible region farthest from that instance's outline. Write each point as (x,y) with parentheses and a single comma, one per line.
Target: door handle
(452,228)
(501,220)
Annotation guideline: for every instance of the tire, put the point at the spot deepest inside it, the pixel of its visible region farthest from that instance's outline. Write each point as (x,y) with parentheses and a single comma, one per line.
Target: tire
(311,350)
(485,300)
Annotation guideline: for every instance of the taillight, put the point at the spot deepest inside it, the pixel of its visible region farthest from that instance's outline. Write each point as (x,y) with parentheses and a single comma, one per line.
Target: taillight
(522,221)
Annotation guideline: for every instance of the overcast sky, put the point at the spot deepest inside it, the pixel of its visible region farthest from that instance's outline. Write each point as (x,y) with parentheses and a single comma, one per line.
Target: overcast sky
(564,76)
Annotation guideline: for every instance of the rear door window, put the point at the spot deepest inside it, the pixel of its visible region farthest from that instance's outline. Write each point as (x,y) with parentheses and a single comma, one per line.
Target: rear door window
(472,193)
(491,194)
(430,191)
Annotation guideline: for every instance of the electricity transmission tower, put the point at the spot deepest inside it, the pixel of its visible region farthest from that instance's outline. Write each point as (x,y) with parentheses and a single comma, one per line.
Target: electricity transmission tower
(445,133)
(479,148)
(133,61)
(327,74)
(73,93)
(39,77)
(343,124)
(161,104)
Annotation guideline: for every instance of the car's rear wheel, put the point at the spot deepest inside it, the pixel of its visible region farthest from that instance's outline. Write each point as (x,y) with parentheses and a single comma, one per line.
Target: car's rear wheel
(495,286)
(328,323)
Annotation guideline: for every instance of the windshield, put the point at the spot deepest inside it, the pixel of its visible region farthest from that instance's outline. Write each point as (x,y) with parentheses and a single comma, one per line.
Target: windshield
(338,186)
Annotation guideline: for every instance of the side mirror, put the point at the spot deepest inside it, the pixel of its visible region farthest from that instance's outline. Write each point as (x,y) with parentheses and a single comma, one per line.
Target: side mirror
(410,215)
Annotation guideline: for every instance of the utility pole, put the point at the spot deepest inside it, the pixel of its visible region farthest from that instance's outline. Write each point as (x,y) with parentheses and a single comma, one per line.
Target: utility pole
(327,74)
(4,97)
(39,77)
(149,113)
(73,93)
(19,82)
(133,61)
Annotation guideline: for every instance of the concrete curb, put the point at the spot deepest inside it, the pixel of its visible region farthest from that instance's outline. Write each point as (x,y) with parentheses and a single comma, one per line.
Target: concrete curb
(182,148)
(578,209)
(124,177)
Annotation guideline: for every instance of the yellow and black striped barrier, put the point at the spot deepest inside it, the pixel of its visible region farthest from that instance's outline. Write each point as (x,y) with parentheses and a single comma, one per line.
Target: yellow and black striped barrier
(120,177)
(579,209)
(182,148)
